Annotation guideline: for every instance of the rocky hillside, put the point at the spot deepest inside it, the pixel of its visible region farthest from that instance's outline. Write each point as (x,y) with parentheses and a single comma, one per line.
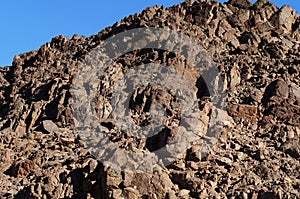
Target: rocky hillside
(257,50)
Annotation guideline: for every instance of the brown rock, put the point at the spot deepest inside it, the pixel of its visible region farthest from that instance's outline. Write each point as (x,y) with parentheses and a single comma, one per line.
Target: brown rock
(256,50)
(244,111)
(130,193)
(285,18)
(277,89)
(23,168)
(244,4)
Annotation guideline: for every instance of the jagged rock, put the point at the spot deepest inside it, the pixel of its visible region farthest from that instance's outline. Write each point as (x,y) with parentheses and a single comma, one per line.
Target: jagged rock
(244,4)
(285,18)
(278,89)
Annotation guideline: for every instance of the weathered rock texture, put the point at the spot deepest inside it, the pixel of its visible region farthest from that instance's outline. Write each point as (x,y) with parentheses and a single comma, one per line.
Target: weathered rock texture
(257,50)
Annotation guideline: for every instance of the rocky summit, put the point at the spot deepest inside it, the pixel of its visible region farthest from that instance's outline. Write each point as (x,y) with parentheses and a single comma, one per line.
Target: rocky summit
(256,153)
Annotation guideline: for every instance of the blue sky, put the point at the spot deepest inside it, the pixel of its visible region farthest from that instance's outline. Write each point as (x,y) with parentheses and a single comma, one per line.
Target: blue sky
(26,25)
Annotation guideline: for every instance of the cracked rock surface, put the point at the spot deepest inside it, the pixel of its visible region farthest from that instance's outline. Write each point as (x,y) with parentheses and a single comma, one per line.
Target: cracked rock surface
(256,47)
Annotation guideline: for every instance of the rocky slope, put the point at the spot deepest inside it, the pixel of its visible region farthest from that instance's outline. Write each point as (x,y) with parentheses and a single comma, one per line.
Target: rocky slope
(257,50)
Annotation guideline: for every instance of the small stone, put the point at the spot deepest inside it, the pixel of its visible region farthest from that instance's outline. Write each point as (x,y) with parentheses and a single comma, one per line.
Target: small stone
(194,165)
(116,193)
(234,77)
(291,134)
(93,165)
(131,193)
(194,154)
(67,140)
(257,95)
(171,195)
(49,126)
(184,193)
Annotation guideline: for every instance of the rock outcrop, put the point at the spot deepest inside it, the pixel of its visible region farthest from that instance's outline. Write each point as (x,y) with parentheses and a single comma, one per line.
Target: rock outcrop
(257,50)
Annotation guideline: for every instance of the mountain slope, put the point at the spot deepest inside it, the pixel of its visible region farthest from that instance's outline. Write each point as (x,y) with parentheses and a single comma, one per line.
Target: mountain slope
(256,48)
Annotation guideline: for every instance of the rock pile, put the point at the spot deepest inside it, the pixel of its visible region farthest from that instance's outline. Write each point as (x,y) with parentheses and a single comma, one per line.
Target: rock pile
(257,50)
